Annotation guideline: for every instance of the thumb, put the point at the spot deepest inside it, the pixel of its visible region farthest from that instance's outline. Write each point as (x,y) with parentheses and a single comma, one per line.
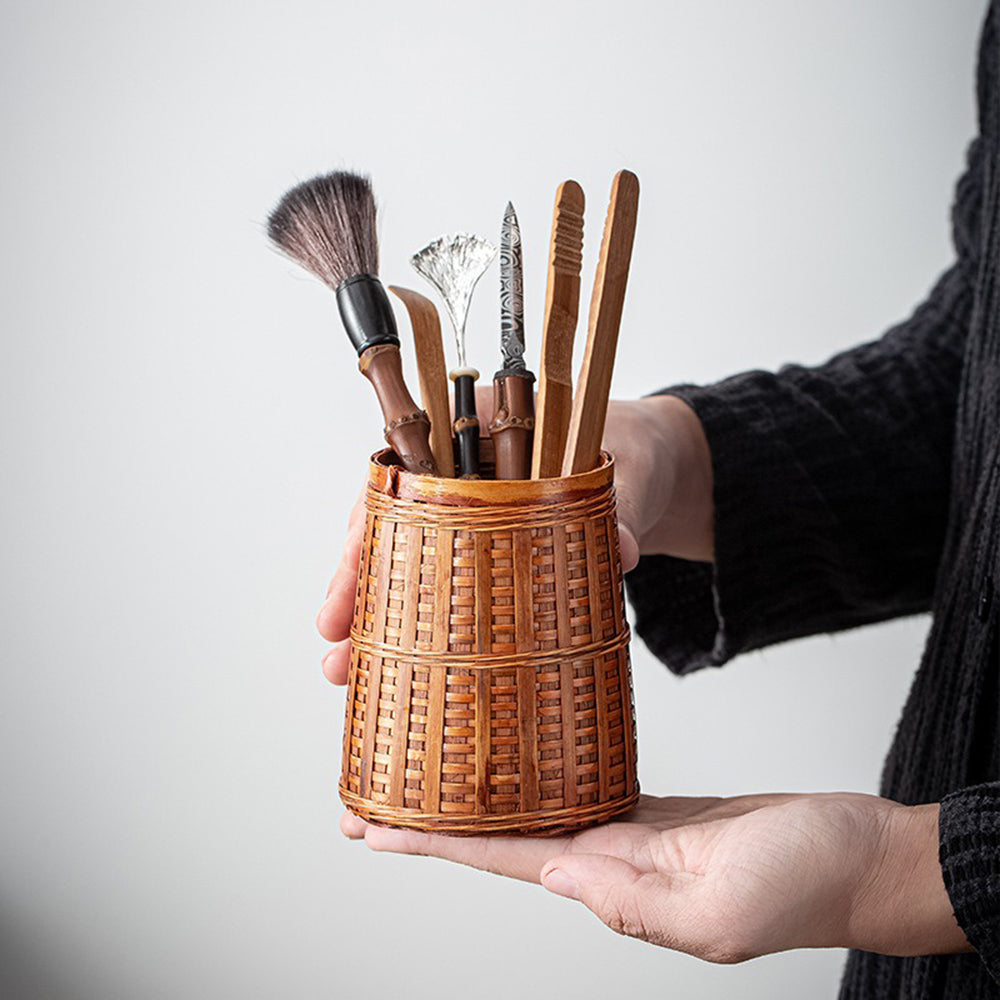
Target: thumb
(628,523)
(628,545)
(621,895)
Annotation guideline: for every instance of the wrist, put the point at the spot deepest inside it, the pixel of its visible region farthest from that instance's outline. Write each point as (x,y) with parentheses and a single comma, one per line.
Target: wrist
(902,907)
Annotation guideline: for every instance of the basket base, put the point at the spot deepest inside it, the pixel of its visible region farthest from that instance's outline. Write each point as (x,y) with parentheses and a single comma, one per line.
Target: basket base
(544,823)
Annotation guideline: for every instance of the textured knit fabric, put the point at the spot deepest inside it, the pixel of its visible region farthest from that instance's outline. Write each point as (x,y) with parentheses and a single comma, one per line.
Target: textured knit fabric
(858,491)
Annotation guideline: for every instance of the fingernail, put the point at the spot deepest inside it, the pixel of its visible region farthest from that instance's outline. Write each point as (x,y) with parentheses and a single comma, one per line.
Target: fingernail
(561,884)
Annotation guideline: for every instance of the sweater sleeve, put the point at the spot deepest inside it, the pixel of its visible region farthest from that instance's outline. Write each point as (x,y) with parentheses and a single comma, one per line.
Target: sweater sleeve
(969,848)
(831,484)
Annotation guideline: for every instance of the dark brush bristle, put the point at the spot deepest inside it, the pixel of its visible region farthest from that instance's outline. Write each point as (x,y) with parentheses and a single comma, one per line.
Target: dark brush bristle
(328,226)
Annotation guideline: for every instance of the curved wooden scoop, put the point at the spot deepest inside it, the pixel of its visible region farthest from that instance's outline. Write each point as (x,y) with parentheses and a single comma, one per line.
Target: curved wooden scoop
(432,374)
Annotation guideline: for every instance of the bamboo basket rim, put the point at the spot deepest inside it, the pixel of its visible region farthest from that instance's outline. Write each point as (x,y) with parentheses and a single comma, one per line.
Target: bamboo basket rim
(389,478)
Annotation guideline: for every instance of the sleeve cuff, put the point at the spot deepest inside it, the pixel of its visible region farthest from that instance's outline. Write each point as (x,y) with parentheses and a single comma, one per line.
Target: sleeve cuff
(969,850)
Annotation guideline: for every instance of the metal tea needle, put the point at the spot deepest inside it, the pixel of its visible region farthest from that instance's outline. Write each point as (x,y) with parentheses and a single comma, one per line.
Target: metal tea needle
(453,265)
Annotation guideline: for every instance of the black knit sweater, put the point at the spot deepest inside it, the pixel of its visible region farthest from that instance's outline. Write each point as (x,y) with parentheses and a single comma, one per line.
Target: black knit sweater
(865,489)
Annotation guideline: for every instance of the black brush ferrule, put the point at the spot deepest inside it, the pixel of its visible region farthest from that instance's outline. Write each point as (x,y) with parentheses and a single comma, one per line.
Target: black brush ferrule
(366,313)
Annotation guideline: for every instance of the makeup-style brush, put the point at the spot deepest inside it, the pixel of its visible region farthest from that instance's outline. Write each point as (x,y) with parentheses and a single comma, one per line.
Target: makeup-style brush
(513,394)
(562,305)
(590,404)
(327,225)
(432,373)
(453,265)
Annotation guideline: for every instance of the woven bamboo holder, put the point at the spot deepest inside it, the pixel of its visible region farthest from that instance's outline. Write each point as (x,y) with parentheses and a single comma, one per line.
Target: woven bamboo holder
(490,689)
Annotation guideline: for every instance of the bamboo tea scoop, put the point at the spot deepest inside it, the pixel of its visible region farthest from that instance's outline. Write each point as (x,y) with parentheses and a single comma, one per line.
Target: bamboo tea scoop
(562,305)
(432,373)
(590,405)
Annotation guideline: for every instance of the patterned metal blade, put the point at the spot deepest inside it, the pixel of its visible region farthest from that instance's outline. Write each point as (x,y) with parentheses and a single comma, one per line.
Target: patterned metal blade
(511,294)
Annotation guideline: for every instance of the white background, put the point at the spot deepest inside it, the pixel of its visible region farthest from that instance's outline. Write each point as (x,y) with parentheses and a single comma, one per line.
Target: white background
(184,430)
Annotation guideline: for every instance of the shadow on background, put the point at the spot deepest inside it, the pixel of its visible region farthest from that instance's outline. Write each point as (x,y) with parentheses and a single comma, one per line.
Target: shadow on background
(29,966)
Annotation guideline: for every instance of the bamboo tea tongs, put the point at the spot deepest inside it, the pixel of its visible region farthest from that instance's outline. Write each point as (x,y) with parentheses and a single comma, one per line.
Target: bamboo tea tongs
(562,305)
(590,404)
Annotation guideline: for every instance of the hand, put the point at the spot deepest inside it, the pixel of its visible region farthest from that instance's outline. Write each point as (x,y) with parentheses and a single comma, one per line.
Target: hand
(663,480)
(731,879)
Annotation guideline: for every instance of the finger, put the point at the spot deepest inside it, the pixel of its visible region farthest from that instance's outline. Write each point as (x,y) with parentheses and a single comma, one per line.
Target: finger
(352,826)
(334,618)
(515,857)
(337,661)
(629,901)
(653,809)
(353,535)
(668,813)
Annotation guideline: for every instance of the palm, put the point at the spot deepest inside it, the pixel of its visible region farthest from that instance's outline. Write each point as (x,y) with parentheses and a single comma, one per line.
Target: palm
(724,878)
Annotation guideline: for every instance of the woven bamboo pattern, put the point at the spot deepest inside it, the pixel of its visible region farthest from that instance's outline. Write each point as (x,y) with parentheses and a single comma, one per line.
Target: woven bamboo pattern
(490,688)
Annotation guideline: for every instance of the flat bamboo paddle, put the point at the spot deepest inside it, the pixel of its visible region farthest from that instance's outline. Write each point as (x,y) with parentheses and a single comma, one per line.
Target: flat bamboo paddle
(590,405)
(562,305)
(432,373)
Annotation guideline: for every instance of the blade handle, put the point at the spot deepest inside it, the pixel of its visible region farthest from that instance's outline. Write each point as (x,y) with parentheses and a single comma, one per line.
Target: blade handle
(513,424)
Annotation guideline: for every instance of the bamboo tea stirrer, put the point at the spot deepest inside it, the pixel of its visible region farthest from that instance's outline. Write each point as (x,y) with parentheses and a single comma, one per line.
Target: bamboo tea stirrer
(562,304)
(590,405)
(432,373)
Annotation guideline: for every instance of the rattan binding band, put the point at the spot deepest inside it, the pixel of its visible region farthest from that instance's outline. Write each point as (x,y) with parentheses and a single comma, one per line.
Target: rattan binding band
(543,823)
(493,661)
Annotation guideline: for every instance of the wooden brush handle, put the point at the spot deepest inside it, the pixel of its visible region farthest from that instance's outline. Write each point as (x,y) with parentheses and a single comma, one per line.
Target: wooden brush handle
(407,428)
(432,373)
(513,424)
(590,405)
(466,422)
(562,303)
